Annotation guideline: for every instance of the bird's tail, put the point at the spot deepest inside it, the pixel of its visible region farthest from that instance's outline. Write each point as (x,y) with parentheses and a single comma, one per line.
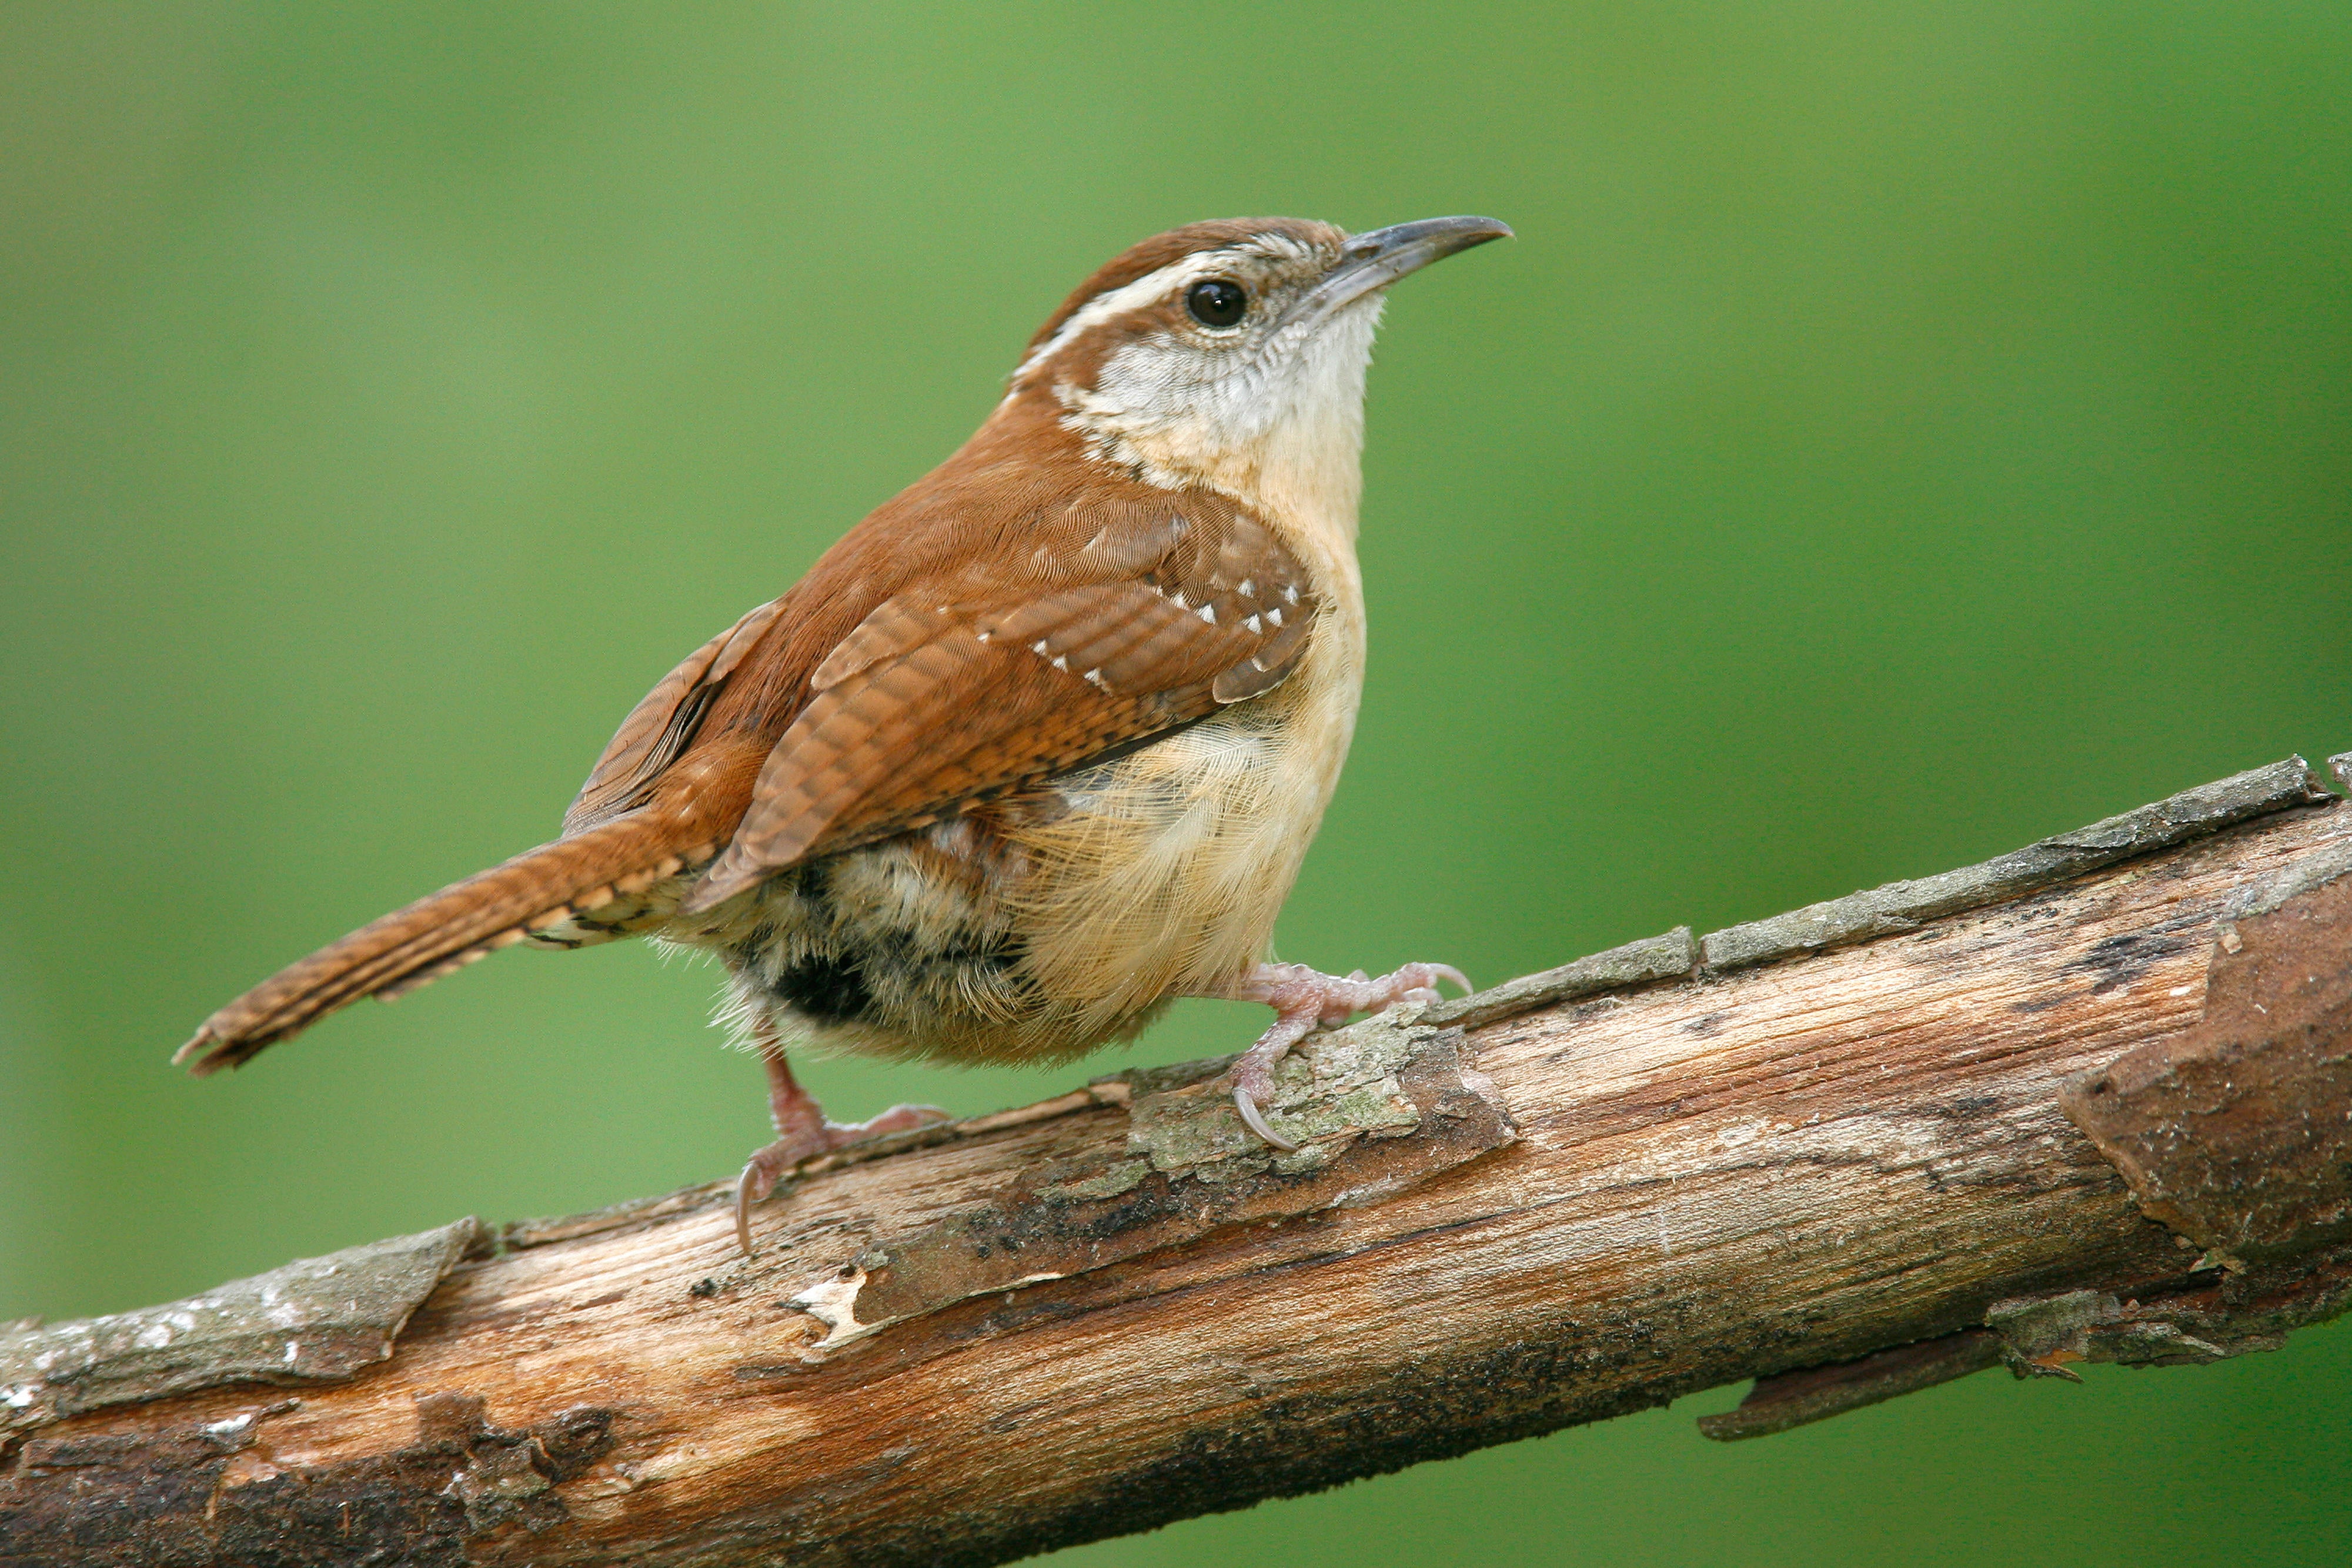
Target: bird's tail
(463,921)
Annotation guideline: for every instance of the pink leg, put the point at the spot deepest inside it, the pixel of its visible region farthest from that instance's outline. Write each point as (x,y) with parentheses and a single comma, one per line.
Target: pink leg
(803,1133)
(1303,1000)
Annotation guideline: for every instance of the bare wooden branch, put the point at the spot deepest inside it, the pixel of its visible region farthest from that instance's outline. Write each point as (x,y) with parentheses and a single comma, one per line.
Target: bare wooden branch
(1831,1152)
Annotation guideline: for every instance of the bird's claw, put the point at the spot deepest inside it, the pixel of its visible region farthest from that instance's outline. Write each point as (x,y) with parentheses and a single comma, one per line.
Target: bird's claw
(1303,1000)
(1450,975)
(1255,1118)
(767,1166)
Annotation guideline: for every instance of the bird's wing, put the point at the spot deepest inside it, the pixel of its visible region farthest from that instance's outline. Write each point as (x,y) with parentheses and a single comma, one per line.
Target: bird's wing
(663,723)
(1129,626)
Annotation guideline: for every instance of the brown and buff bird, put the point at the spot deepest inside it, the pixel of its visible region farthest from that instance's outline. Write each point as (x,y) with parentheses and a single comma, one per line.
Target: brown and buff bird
(1036,748)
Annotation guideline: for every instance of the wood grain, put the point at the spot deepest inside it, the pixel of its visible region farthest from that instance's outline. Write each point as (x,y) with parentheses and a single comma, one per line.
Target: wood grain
(1727,1176)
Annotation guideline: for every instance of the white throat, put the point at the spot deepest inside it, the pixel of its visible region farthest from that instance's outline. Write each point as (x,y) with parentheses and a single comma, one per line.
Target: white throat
(1282,429)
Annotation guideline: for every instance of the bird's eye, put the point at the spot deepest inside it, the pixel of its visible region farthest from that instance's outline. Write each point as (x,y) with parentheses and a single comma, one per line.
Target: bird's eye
(1216,303)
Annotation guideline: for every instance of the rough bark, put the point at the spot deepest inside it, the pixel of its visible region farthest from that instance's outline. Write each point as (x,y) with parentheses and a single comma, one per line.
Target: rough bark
(1832,1152)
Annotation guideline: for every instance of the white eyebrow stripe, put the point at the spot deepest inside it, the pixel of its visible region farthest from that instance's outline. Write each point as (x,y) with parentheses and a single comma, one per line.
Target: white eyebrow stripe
(1143,291)
(1154,286)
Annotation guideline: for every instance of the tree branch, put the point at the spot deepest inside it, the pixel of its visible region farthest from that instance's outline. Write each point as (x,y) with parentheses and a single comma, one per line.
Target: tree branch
(1831,1151)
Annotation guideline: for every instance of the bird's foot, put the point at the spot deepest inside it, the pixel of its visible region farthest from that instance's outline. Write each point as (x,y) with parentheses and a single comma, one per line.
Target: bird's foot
(1303,1000)
(807,1135)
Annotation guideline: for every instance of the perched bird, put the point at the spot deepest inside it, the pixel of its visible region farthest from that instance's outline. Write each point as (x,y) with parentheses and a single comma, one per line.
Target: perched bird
(1034,750)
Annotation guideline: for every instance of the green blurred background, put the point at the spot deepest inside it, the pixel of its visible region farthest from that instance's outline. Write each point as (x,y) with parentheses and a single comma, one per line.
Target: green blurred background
(1899,432)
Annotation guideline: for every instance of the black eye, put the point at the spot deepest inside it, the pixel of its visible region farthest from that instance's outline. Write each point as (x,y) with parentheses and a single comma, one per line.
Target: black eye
(1216,303)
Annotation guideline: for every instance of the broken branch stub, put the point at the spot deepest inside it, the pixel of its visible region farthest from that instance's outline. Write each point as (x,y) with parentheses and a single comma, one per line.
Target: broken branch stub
(1817,1392)
(2211,1316)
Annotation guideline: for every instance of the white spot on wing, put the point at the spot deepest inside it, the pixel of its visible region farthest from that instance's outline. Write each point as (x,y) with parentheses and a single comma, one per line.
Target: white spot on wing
(1208,612)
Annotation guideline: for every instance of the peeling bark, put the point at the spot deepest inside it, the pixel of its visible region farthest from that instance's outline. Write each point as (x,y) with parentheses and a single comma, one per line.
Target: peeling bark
(2234,1132)
(317,1320)
(1832,1152)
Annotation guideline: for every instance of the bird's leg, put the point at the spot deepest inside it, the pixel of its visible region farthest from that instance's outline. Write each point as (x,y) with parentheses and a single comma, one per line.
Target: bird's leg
(802,1131)
(1303,1000)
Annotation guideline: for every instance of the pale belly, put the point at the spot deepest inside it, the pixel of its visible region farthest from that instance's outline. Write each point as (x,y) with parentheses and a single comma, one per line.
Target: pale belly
(1040,926)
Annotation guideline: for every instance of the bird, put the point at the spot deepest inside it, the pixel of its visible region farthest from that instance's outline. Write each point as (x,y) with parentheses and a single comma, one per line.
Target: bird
(1035,749)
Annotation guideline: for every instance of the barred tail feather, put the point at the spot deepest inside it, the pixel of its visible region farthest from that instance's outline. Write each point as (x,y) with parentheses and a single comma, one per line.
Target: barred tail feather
(444,931)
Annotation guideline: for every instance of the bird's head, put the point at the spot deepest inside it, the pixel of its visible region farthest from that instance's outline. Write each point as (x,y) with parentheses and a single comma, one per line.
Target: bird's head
(1232,353)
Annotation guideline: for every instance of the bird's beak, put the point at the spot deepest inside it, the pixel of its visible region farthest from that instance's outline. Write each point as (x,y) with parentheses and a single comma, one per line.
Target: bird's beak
(1377,257)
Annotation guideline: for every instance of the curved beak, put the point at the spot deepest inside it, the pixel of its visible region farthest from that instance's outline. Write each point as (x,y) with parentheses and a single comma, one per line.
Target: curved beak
(1377,257)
